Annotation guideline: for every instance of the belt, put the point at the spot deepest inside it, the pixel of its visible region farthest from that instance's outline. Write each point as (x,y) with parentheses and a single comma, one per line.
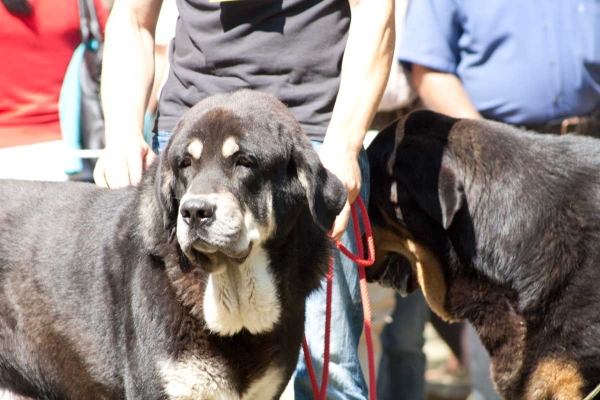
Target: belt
(588,125)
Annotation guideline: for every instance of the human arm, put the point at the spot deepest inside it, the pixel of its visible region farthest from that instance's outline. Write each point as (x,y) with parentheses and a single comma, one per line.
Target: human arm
(443,92)
(364,73)
(164,33)
(431,49)
(160,64)
(127,76)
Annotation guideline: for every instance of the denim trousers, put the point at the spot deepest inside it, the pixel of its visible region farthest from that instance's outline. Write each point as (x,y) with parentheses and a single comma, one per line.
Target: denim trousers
(481,382)
(159,141)
(346,379)
(402,365)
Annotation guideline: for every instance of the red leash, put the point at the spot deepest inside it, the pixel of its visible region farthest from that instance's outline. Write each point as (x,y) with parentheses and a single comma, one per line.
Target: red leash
(362,263)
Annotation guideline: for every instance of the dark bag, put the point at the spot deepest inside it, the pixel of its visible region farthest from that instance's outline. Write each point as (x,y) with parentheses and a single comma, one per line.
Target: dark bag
(80,109)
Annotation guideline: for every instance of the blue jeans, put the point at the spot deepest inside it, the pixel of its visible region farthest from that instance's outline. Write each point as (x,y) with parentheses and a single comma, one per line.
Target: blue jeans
(346,379)
(402,365)
(159,141)
(479,359)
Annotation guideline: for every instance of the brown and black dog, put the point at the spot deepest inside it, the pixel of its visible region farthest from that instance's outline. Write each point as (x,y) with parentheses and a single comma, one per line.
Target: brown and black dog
(191,285)
(500,227)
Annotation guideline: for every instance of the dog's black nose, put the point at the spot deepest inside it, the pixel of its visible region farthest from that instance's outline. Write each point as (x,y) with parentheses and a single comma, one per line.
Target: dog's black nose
(197,211)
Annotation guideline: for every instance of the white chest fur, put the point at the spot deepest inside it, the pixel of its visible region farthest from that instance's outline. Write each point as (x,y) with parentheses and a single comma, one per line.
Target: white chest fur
(237,298)
(244,297)
(193,379)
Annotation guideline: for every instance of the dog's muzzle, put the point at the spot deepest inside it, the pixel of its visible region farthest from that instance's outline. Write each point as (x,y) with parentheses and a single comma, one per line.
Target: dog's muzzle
(212,231)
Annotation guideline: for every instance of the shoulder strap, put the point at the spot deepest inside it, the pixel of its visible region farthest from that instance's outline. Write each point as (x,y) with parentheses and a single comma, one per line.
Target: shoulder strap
(88,21)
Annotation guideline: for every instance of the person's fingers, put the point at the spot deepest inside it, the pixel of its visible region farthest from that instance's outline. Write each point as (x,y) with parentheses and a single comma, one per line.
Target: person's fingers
(117,173)
(111,171)
(149,159)
(99,177)
(124,166)
(341,222)
(135,166)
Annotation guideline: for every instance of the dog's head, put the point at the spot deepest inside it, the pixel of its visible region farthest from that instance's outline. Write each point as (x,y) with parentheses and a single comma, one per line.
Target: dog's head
(236,174)
(414,201)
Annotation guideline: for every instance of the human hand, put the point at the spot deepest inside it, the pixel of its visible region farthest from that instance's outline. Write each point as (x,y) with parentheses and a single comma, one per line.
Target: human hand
(342,161)
(122,163)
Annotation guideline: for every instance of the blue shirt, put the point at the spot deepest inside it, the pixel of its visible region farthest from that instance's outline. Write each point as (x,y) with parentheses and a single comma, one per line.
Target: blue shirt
(521,62)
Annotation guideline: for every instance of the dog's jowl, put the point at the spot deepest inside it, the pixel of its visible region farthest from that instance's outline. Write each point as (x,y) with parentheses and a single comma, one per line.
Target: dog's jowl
(189,286)
(500,227)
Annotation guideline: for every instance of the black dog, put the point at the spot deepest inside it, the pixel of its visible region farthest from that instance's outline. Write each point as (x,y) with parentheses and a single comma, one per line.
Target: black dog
(500,227)
(191,285)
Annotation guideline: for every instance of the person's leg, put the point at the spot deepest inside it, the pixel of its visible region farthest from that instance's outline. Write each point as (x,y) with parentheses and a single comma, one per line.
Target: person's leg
(402,367)
(481,382)
(452,334)
(346,379)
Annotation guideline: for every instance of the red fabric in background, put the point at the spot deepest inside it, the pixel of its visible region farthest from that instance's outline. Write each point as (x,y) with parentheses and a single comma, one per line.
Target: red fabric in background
(35,51)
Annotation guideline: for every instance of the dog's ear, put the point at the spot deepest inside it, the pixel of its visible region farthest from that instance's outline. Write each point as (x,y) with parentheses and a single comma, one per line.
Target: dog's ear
(163,188)
(425,166)
(325,193)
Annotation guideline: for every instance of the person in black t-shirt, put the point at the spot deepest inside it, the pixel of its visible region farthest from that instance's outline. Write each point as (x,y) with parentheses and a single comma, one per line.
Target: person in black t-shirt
(328,60)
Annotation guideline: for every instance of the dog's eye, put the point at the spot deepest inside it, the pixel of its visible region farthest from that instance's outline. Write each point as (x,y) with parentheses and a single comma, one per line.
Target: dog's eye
(247,161)
(184,163)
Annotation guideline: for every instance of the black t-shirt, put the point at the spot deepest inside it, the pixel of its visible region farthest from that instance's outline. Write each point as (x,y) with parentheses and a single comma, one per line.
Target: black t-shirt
(291,49)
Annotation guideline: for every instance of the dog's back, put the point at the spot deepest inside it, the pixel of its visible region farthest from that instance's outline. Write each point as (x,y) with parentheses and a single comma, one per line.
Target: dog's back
(49,311)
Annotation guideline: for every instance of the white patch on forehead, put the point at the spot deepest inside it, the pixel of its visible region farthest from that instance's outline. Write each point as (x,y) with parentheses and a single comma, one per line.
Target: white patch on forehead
(195,148)
(230,146)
